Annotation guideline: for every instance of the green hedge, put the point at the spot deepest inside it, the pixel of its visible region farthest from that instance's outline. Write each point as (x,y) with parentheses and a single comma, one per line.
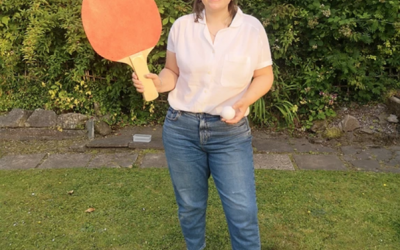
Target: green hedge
(330,51)
(324,52)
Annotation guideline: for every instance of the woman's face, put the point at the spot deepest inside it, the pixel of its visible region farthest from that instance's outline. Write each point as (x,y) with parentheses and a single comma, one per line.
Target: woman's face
(216,5)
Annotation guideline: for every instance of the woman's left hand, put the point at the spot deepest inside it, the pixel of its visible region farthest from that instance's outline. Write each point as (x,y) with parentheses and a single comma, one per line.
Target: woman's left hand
(240,110)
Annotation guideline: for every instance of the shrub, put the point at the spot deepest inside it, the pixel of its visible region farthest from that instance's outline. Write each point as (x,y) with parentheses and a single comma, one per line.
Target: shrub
(47,62)
(324,52)
(331,51)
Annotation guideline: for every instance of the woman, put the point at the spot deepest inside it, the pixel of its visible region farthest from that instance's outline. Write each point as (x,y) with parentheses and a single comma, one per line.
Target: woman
(216,57)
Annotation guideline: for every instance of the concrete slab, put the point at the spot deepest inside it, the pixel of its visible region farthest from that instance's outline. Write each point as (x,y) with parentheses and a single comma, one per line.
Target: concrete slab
(13,162)
(351,150)
(354,153)
(394,148)
(363,155)
(29,134)
(66,161)
(366,165)
(303,145)
(112,142)
(319,162)
(395,161)
(155,143)
(155,131)
(123,160)
(394,170)
(272,145)
(381,154)
(156,137)
(78,147)
(154,160)
(272,161)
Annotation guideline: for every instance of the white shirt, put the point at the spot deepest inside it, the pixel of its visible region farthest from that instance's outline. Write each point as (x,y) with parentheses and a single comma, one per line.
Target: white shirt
(215,75)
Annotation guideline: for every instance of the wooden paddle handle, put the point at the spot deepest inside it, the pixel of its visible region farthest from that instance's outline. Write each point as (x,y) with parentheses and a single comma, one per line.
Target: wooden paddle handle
(139,64)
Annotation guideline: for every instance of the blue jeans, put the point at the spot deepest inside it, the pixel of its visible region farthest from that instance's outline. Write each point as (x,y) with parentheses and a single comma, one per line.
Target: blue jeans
(198,145)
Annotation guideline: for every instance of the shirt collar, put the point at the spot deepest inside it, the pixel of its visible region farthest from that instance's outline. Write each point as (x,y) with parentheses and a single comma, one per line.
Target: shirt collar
(236,22)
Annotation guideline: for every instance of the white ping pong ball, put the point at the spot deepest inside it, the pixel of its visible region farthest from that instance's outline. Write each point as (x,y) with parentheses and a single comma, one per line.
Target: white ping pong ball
(228,113)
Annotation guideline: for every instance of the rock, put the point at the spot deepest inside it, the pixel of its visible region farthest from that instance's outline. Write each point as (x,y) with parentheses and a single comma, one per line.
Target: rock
(332,133)
(90,128)
(102,128)
(393,119)
(349,123)
(382,117)
(42,119)
(316,141)
(106,117)
(15,119)
(97,109)
(319,126)
(72,121)
(78,147)
(394,105)
(367,131)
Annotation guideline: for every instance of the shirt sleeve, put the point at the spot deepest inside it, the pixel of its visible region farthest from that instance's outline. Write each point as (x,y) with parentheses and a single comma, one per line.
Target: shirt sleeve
(172,37)
(264,58)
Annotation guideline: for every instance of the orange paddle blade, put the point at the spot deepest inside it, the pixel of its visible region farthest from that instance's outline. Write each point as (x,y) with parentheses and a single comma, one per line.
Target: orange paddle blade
(117,29)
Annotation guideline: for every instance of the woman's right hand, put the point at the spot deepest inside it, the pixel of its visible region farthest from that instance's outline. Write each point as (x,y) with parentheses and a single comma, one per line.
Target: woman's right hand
(139,85)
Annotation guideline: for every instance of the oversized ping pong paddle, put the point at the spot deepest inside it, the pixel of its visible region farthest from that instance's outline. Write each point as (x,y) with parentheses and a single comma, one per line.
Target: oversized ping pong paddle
(124,31)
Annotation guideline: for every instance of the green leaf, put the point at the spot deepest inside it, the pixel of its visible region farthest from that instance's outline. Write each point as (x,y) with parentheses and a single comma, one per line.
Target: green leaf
(5,20)
(165,21)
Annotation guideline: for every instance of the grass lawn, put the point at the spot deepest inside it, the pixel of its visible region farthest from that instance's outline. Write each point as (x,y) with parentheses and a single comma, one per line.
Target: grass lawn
(135,209)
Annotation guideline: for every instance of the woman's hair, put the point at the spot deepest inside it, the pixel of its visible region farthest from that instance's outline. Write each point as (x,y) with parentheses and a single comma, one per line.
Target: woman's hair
(198,8)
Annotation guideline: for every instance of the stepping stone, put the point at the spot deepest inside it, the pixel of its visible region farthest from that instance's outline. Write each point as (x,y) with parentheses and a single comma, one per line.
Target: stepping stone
(381,154)
(356,157)
(352,153)
(66,161)
(366,165)
(11,162)
(272,145)
(112,142)
(303,146)
(391,170)
(351,150)
(275,161)
(123,160)
(155,143)
(154,160)
(394,148)
(395,161)
(319,162)
(27,134)
(156,138)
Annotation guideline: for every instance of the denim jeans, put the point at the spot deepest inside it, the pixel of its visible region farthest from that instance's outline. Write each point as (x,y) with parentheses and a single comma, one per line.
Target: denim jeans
(198,145)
